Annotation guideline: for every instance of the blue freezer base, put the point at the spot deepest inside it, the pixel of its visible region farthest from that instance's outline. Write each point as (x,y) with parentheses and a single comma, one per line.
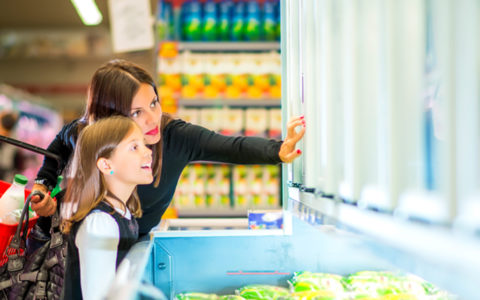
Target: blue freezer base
(222,261)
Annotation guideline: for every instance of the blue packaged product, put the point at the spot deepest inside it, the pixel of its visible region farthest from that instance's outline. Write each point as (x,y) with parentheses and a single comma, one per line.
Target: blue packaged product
(238,21)
(168,20)
(210,23)
(252,29)
(277,17)
(225,8)
(269,21)
(193,16)
(265,219)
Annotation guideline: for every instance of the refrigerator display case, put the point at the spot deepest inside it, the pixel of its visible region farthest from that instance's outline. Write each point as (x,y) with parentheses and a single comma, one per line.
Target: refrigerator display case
(389,178)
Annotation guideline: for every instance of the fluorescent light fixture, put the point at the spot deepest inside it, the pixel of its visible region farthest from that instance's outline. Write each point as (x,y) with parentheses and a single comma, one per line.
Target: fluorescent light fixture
(88,11)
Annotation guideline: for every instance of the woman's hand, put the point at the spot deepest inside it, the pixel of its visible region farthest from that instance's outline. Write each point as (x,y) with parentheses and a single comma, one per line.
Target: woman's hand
(43,207)
(288,153)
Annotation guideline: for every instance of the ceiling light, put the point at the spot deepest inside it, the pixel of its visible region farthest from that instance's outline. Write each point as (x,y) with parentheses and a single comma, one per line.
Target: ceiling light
(88,11)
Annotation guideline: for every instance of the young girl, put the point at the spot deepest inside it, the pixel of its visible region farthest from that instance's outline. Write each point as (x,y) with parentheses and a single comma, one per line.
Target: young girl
(98,211)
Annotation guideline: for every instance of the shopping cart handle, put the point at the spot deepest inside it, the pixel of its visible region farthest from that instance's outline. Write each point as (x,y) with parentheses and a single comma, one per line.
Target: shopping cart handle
(30,147)
(36,193)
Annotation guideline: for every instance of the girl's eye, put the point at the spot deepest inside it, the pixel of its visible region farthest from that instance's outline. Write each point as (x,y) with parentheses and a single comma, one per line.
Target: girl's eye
(134,147)
(135,114)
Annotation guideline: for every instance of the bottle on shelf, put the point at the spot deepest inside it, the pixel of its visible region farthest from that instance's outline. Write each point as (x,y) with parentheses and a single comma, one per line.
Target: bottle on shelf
(269,19)
(225,8)
(252,28)
(192,28)
(238,20)
(12,201)
(210,21)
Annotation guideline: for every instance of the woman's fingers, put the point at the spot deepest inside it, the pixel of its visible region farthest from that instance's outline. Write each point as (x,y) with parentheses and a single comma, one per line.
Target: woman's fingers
(288,152)
(294,124)
(43,207)
(292,156)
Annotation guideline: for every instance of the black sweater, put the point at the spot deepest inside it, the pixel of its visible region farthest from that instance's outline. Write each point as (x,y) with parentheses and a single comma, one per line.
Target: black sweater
(182,143)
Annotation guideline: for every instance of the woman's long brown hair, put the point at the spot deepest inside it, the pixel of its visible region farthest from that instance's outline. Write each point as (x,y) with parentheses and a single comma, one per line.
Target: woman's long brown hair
(86,189)
(111,92)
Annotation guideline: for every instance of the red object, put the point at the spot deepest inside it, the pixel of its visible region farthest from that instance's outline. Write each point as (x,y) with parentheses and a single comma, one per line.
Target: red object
(8,231)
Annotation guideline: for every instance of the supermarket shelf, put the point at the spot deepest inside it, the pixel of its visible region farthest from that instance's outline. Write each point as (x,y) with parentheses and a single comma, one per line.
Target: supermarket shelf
(431,251)
(229,46)
(212,212)
(225,102)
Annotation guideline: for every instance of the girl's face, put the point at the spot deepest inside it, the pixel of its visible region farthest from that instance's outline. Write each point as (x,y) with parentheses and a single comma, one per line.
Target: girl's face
(131,161)
(146,112)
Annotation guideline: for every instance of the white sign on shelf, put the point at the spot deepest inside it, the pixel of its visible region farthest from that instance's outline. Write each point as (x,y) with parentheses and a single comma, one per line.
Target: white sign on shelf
(131,25)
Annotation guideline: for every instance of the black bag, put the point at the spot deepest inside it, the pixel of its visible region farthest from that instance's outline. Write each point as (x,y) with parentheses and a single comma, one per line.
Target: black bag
(38,275)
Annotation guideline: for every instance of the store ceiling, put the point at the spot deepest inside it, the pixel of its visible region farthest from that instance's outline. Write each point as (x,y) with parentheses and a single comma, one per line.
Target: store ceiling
(28,14)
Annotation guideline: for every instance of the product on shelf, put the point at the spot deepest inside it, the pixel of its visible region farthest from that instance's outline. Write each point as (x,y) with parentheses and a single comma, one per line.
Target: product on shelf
(308,281)
(202,186)
(230,297)
(199,172)
(196,296)
(192,20)
(241,195)
(265,219)
(269,26)
(210,21)
(190,115)
(252,23)
(384,283)
(324,286)
(314,295)
(211,118)
(226,20)
(275,123)
(232,121)
(262,292)
(256,122)
(217,186)
(238,21)
(220,76)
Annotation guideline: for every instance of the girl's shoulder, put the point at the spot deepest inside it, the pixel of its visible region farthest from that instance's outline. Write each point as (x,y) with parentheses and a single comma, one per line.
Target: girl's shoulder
(98,224)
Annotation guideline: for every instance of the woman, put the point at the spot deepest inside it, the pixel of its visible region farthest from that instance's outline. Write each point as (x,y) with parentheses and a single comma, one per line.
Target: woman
(123,88)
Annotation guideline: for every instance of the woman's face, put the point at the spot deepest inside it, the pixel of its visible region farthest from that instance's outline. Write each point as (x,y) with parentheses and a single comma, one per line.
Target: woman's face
(146,112)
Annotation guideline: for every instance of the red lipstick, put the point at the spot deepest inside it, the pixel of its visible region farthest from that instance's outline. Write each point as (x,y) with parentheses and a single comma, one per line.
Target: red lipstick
(153,131)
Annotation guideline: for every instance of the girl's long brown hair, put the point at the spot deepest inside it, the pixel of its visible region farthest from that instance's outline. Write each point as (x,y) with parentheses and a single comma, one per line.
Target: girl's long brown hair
(111,92)
(86,189)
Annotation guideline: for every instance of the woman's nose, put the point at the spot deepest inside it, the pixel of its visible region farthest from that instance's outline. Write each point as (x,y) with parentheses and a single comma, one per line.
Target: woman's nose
(150,118)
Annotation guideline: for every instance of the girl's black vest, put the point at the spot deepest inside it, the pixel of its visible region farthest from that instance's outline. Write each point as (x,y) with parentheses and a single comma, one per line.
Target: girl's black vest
(128,237)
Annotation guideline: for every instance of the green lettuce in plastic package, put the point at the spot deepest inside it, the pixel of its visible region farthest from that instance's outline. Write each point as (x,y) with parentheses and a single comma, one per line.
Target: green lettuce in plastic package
(313,295)
(262,292)
(231,297)
(196,296)
(308,281)
(390,285)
